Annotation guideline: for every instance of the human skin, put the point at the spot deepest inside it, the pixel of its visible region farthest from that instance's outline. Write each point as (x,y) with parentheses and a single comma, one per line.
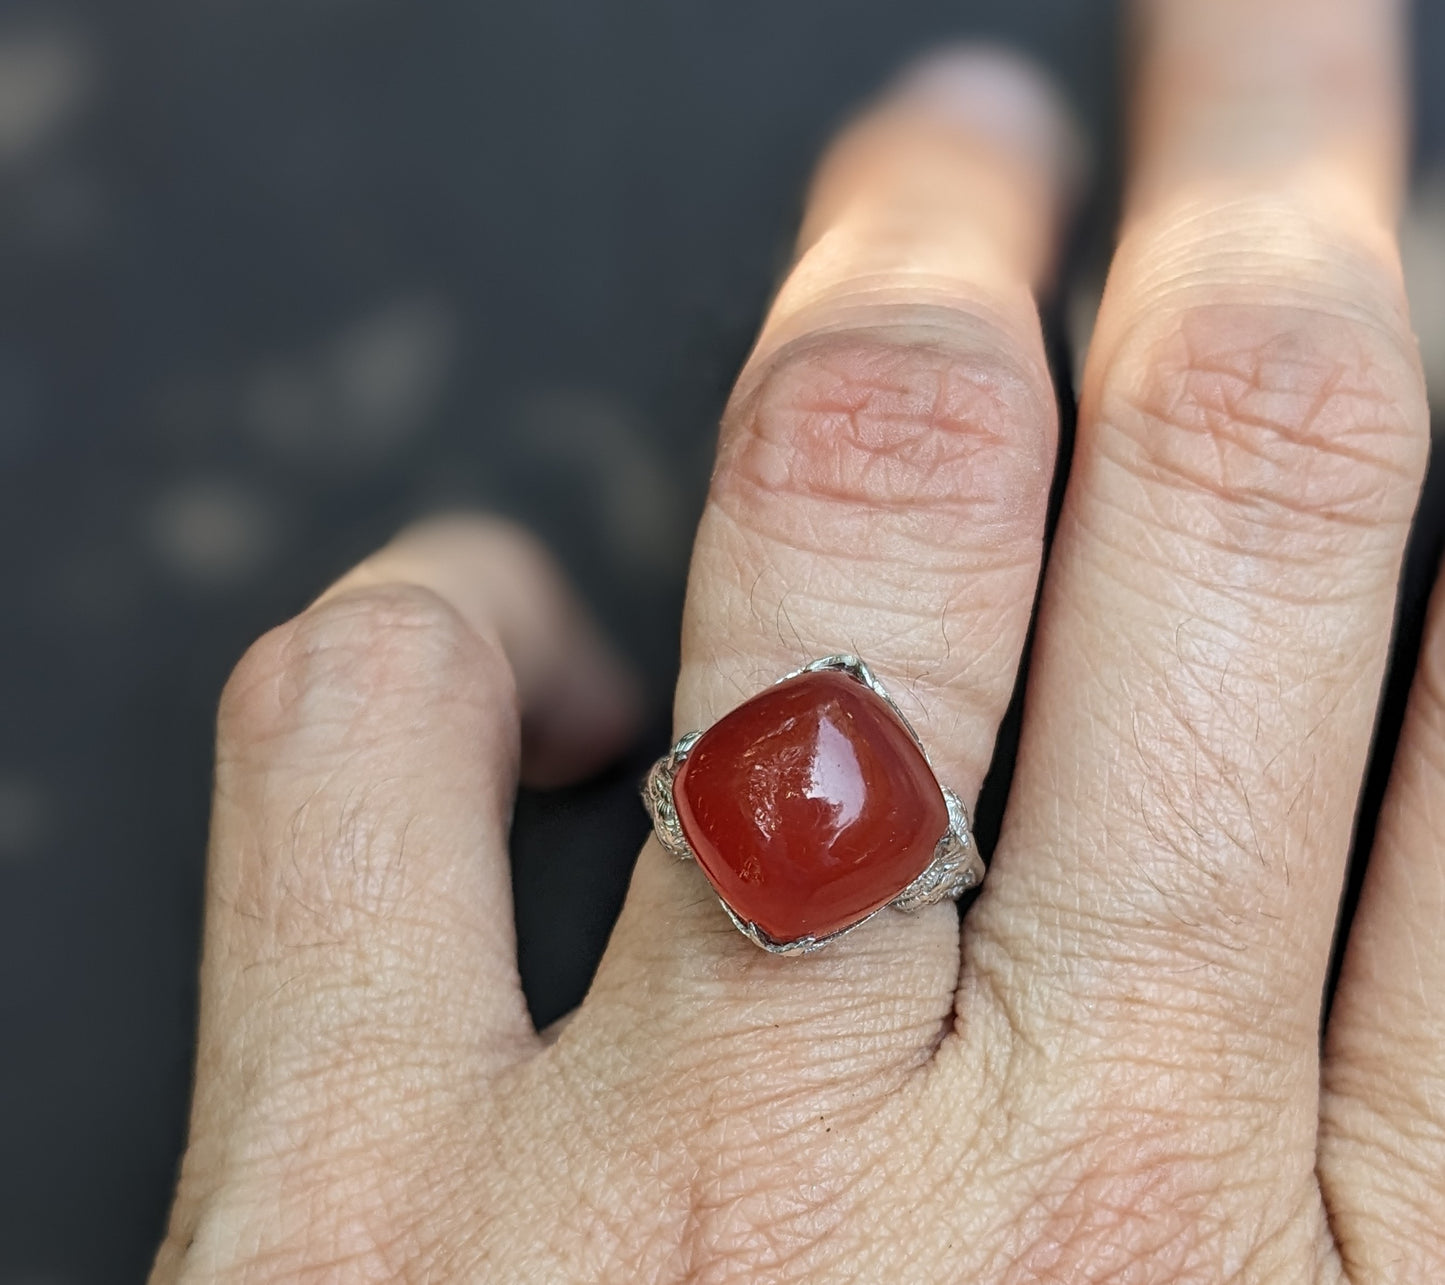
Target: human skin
(1113,1068)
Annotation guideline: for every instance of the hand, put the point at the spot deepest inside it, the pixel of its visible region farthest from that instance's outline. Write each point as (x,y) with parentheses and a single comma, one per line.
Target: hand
(1112,1071)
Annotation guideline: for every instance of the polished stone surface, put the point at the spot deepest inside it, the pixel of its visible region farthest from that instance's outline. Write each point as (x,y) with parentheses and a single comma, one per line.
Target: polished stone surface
(810,806)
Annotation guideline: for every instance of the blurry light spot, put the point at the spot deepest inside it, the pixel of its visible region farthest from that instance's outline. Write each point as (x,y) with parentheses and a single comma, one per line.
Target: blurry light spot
(362,394)
(390,369)
(25,818)
(44,78)
(212,531)
(643,508)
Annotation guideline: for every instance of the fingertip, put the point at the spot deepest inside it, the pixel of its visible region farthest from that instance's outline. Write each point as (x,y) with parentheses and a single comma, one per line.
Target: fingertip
(584,718)
(958,178)
(1005,99)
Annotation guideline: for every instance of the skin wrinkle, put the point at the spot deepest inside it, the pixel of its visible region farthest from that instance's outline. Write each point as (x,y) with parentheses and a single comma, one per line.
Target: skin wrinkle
(733,1220)
(1286,699)
(696,1172)
(1173,996)
(1186,730)
(785,600)
(1280,467)
(615,1142)
(740,1276)
(360,653)
(899,443)
(1187,721)
(1262,242)
(1183,983)
(727,1116)
(344,1023)
(355,1213)
(1120,1193)
(382,885)
(1118,547)
(409,945)
(887,546)
(895,429)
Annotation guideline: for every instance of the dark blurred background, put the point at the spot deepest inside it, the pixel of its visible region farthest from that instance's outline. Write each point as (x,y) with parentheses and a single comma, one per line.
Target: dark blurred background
(278,275)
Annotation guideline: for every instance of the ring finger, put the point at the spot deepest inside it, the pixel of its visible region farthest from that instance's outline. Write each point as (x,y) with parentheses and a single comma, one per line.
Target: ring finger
(880,489)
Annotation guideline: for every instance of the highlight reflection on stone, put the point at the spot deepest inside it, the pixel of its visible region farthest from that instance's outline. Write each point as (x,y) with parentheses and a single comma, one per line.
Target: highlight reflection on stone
(810,806)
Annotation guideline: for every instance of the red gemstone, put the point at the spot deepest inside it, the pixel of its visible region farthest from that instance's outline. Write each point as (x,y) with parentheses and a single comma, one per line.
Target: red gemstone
(810,806)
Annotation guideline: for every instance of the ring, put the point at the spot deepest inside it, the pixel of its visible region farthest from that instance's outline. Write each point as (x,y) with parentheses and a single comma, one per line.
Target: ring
(812,807)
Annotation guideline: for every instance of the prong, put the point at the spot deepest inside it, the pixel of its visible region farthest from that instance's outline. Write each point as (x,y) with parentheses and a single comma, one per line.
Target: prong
(658,799)
(956,867)
(803,945)
(843,663)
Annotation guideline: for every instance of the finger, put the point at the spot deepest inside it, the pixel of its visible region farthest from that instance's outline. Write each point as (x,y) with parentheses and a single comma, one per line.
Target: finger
(1382,1141)
(359,967)
(1218,608)
(880,488)
(580,706)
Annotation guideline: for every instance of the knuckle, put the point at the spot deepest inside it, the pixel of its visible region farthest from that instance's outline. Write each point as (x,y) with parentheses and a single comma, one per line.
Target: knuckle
(381,638)
(903,425)
(251,698)
(1277,415)
(354,658)
(327,733)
